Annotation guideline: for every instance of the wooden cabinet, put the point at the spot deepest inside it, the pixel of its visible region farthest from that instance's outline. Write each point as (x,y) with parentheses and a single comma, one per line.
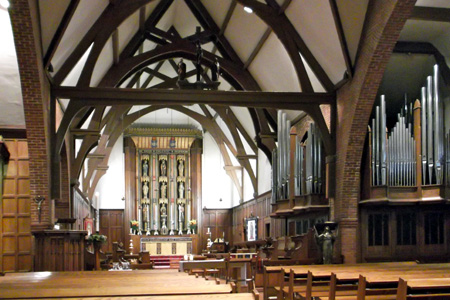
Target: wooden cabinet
(59,250)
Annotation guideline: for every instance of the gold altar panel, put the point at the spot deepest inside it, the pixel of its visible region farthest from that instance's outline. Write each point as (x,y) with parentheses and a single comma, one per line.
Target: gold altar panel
(168,246)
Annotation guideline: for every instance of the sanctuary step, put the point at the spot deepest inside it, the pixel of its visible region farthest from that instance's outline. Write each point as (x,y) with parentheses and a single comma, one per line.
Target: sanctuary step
(166,261)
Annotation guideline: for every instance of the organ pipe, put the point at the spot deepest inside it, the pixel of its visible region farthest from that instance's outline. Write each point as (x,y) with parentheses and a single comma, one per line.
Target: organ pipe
(393,161)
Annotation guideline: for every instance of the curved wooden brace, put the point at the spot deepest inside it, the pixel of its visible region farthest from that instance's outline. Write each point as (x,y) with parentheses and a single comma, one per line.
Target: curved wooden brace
(316,114)
(241,154)
(184,49)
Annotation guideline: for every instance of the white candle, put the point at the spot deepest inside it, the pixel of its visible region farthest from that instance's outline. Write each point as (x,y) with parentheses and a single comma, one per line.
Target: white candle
(208,230)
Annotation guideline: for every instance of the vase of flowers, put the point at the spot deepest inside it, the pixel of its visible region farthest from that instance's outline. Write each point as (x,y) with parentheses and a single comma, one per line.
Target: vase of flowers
(192,225)
(134,227)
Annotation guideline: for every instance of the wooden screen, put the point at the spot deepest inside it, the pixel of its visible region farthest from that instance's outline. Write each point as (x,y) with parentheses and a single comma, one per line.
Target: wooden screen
(15,219)
(111,225)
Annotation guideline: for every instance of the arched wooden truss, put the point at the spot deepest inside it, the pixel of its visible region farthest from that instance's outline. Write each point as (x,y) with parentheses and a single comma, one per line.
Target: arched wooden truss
(105,128)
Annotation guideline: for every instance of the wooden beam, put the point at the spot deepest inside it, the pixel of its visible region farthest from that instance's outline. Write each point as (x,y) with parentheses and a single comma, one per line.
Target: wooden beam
(149,78)
(157,74)
(113,96)
(115,46)
(205,19)
(435,14)
(341,35)
(151,21)
(289,37)
(100,32)
(142,19)
(60,32)
(258,47)
(226,21)
(426,48)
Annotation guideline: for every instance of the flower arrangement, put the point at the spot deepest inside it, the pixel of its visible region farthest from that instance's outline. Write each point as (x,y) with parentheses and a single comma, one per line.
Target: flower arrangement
(192,224)
(97,238)
(134,225)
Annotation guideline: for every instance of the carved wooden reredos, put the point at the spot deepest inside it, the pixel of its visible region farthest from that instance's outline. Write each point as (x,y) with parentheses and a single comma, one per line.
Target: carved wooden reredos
(163,178)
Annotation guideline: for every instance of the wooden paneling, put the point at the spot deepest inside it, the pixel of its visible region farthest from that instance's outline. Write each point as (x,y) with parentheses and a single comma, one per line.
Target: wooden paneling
(261,208)
(219,223)
(15,215)
(111,225)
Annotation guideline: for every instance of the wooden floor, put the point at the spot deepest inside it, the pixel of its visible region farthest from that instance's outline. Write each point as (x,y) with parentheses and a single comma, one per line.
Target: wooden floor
(136,284)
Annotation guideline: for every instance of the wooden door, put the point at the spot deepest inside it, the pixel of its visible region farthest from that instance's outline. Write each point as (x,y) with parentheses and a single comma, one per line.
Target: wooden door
(15,216)
(111,225)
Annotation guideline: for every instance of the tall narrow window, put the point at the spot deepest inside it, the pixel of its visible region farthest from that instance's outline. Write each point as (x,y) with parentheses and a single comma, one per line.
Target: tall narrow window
(406,229)
(434,228)
(378,230)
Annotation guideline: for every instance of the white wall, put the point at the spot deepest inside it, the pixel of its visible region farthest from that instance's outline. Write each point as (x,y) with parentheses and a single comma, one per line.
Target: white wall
(264,175)
(216,184)
(111,187)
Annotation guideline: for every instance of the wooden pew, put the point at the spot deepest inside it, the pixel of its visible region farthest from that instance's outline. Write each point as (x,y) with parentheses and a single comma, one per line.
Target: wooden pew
(241,296)
(105,284)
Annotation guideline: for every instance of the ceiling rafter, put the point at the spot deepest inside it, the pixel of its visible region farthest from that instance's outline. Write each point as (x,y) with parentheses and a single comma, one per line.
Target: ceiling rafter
(341,36)
(157,74)
(207,22)
(57,37)
(138,38)
(172,82)
(102,29)
(268,31)
(291,40)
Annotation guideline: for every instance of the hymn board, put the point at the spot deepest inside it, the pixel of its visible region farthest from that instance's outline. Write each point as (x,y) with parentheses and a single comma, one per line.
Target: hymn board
(163,168)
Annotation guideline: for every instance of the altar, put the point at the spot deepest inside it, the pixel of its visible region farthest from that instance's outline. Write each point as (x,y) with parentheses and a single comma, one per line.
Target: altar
(166,245)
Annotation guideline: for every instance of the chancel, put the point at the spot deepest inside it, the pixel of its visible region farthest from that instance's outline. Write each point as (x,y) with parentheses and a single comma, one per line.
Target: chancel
(247,149)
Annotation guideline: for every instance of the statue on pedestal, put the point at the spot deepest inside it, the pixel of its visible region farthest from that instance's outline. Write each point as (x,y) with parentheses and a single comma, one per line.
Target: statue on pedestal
(181,168)
(163,190)
(163,168)
(325,241)
(181,190)
(145,168)
(145,190)
(181,70)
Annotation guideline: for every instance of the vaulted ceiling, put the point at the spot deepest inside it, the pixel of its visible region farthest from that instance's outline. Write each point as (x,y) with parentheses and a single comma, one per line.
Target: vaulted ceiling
(300,46)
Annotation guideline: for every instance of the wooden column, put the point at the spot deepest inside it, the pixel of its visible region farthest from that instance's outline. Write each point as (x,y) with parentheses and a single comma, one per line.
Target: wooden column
(130,186)
(196,185)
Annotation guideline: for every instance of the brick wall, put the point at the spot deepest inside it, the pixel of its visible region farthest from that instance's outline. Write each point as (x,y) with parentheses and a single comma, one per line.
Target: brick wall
(385,19)
(35,91)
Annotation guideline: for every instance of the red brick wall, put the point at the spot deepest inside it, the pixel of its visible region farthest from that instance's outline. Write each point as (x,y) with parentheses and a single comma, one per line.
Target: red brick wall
(35,91)
(385,19)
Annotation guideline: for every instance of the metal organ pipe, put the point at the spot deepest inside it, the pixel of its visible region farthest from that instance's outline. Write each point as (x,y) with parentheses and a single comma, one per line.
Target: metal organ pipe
(424,133)
(430,130)
(437,127)
(383,140)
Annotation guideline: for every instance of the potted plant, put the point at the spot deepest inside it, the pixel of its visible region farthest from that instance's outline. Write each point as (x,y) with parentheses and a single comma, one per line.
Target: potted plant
(134,227)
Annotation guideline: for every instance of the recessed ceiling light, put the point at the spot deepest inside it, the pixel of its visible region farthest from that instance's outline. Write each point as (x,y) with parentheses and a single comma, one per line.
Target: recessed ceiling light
(248,9)
(4,3)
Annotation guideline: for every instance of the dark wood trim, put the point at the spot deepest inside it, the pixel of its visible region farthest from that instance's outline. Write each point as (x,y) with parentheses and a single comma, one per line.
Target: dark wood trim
(13,132)
(435,14)
(115,46)
(72,7)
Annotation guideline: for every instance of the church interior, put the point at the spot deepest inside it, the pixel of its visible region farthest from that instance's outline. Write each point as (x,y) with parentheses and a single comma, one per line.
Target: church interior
(271,149)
